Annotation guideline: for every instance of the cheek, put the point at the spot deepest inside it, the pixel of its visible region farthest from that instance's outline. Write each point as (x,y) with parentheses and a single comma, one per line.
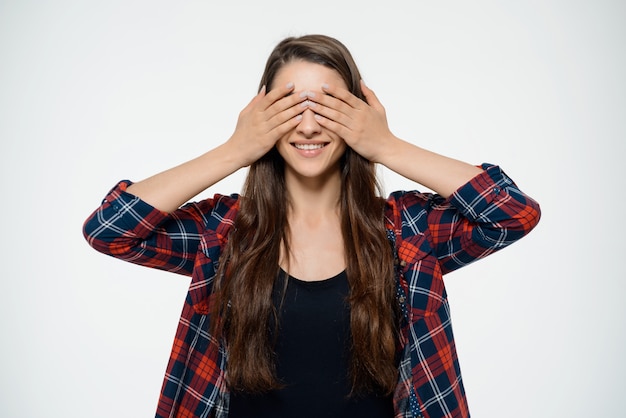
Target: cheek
(342,148)
(333,136)
(282,144)
(341,144)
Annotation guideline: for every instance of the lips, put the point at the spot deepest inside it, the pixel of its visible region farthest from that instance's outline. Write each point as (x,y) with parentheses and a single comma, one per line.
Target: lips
(309,147)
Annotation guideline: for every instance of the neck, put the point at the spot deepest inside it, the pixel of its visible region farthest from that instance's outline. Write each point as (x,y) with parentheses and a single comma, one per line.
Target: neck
(317,197)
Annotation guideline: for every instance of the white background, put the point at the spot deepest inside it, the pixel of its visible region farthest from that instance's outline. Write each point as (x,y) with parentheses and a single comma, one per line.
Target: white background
(92,92)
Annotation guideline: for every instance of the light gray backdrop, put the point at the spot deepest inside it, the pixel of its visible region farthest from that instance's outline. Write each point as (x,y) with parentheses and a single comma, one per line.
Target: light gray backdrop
(92,92)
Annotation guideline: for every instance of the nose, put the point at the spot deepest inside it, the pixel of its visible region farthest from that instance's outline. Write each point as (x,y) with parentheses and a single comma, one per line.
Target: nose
(308,126)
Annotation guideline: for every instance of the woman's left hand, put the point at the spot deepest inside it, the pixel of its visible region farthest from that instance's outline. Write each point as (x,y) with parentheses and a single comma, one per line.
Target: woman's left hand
(363,125)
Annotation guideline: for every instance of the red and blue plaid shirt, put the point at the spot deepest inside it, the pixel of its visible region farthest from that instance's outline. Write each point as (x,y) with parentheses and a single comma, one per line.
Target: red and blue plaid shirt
(431,235)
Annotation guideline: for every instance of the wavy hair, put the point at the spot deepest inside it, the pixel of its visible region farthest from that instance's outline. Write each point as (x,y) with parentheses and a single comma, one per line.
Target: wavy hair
(242,306)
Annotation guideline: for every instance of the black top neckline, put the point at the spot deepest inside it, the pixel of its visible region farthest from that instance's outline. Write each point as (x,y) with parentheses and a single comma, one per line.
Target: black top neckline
(315,284)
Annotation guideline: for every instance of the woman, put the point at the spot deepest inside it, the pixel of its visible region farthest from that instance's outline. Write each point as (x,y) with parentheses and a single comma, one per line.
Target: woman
(311,295)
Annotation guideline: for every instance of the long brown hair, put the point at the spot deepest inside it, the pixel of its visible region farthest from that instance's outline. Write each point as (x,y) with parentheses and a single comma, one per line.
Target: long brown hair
(242,308)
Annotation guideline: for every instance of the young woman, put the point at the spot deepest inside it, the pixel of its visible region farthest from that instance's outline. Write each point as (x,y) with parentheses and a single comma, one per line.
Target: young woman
(311,295)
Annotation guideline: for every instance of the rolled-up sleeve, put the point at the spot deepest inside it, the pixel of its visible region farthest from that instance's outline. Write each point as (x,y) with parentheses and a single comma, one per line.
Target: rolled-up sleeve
(128,228)
(485,215)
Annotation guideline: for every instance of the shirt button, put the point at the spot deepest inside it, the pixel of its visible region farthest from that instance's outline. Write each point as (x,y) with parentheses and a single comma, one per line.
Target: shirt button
(496,190)
(402,299)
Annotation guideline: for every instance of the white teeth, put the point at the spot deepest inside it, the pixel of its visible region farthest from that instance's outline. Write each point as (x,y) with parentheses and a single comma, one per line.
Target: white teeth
(309,147)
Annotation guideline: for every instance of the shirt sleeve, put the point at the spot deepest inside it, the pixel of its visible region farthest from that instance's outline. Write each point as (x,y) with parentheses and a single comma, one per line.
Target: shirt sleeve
(128,228)
(483,216)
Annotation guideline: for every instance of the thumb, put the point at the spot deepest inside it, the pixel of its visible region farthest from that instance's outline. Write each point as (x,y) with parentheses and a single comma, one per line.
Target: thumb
(370,96)
(256,99)
(261,93)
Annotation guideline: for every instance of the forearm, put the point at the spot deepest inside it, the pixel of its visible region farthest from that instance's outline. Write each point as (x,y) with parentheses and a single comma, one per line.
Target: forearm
(441,174)
(170,189)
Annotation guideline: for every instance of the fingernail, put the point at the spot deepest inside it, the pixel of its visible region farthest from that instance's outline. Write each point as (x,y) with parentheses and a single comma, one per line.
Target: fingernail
(318,117)
(304,94)
(325,86)
(299,117)
(289,85)
(310,94)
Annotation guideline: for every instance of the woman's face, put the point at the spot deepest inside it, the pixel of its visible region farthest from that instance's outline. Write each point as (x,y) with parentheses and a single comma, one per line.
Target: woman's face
(310,151)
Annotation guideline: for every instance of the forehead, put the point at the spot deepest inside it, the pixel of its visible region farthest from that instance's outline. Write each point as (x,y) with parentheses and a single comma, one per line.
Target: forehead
(308,75)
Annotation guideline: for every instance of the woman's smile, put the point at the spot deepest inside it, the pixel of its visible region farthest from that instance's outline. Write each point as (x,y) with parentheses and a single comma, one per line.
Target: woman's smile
(309,147)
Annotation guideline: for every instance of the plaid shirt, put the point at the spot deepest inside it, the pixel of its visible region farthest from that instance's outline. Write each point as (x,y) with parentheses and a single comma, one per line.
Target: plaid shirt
(431,236)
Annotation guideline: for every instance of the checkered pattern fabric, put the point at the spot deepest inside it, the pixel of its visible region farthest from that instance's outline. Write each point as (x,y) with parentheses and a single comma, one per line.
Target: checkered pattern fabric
(431,235)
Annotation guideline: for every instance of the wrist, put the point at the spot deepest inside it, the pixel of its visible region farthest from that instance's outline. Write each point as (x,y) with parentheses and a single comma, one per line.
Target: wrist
(390,148)
(230,152)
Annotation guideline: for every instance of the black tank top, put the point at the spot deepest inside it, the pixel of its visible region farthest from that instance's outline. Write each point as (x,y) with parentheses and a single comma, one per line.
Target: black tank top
(312,358)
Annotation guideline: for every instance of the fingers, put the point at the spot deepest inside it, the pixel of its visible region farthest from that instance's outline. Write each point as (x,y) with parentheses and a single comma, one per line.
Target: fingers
(274,113)
(277,93)
(268,110)
(370,96)
(279,100)
(337,105)
(287,109)
(284,110)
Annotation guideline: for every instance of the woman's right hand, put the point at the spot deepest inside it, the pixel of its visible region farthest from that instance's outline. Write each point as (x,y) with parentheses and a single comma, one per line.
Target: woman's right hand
(260,125)
(264,121)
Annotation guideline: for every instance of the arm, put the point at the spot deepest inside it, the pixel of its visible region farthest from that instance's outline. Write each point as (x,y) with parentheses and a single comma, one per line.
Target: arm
(143,222)
(363,125)
(484,215)
(474,212)
(170,189)
(442,174)
(128,228)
